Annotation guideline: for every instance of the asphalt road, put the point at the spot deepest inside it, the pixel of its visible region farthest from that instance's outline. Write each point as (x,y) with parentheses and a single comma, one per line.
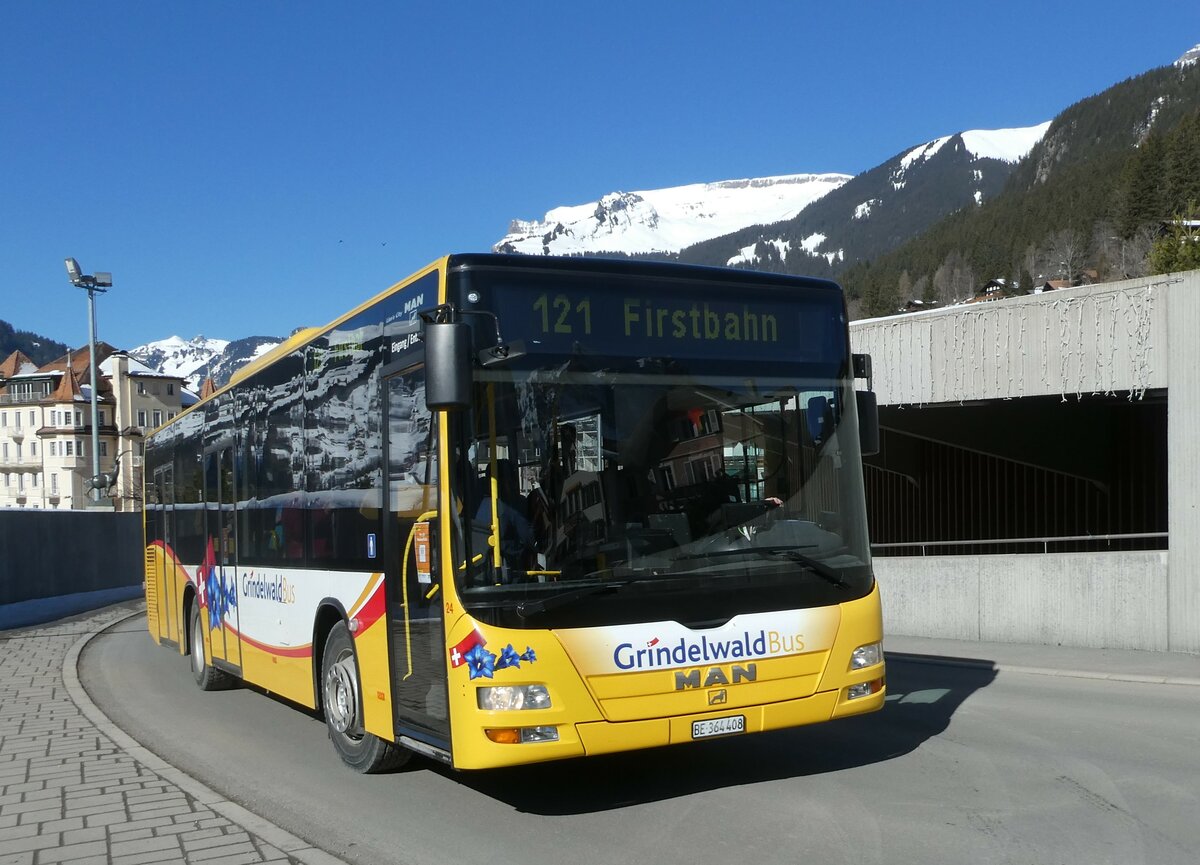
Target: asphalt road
(963,766)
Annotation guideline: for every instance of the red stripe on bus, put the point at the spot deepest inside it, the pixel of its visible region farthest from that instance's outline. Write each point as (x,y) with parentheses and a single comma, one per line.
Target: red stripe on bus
(304,651)
(370,612)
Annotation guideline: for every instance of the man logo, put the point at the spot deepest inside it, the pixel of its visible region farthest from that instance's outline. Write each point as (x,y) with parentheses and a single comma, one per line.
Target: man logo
(716,698)
(715,676)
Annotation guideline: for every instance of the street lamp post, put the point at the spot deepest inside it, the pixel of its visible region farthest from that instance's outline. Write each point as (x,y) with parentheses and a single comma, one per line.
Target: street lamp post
(98,282)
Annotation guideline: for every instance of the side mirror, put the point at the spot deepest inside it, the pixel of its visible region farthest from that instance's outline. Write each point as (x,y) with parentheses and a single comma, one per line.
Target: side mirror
(448,356)
(868,422)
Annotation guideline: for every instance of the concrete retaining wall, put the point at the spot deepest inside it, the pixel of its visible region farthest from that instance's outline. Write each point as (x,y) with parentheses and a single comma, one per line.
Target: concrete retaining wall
(1183,469)
(1122,338)
(46,554)
(1092,339)
(1092,600)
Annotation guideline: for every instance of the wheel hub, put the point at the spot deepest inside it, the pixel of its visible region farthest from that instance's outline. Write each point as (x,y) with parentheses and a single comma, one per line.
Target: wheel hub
(341,696)
(197,648)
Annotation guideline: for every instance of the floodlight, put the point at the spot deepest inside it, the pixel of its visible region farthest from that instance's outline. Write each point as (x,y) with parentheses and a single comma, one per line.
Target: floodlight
(103,280)
(73,271)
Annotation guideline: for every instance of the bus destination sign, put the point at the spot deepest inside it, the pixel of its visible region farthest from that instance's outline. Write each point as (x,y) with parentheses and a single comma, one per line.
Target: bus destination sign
(683,326)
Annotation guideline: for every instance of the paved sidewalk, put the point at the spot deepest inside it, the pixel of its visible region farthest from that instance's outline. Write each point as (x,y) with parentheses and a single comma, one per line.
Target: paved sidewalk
(1125,665)
(75,789)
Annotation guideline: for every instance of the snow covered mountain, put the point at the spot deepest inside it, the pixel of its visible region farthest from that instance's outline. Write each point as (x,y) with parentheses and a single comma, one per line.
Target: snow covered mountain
(667,220)
(1006,145)
(881,208)
(200,357)
(798,223)
(1189,58)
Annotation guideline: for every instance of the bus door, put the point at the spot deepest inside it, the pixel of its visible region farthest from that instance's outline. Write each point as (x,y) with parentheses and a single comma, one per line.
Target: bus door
(159,565)
(220,587)
(418,644)
(161,577)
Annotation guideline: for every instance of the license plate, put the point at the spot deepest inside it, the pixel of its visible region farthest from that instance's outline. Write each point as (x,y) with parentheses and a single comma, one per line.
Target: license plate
(718,726)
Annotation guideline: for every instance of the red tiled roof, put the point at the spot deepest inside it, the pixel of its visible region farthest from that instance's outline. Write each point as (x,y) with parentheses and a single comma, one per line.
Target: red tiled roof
(79,366)
(67,390)
(14,363)
(79,359)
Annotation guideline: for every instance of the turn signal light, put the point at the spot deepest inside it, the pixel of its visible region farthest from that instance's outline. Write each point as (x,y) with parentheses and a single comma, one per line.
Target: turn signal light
(521,735)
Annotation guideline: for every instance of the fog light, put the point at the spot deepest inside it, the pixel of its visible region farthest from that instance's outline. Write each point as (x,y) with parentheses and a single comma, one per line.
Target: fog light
(522,735)
(502,698)
(539,734)
(865,689)
(866,656)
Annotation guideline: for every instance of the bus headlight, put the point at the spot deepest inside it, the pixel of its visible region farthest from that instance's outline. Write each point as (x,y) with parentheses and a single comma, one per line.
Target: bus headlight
(501,698)
(866,656)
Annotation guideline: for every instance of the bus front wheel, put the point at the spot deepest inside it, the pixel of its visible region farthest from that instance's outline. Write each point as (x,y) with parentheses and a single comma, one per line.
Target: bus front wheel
(341,699)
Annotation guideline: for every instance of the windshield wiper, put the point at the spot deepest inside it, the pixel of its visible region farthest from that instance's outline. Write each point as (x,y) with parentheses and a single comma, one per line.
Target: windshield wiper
(815,565)
(789,552)
(525,609)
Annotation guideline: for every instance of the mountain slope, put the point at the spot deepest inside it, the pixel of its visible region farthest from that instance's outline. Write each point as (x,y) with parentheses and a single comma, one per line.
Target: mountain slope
(880,208)
(666,220)
(199,358)
(1107,171)
(816,224)
(37,348)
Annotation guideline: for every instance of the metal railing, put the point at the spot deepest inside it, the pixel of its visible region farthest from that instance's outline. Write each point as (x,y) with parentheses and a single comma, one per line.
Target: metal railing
(1097,543)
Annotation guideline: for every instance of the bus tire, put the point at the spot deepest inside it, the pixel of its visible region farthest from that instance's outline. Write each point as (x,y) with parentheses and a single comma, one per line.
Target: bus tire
(341,700)
(206,675)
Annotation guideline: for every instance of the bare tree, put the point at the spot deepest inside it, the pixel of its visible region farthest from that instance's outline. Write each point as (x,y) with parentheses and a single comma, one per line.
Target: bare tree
(1109,248)
(1066,251)
(1032,262)
(923,288)
(954,280)
(1135,252)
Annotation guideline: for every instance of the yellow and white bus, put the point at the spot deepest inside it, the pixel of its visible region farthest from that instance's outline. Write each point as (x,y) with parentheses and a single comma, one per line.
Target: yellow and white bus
(517,509)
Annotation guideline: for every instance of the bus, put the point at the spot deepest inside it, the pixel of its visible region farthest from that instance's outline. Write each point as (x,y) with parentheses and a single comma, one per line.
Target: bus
(518,509)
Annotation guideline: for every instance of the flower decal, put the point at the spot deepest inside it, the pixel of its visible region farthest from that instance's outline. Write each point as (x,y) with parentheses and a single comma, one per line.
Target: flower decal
(508,658)
(216,594)
(480,662)
(215,597)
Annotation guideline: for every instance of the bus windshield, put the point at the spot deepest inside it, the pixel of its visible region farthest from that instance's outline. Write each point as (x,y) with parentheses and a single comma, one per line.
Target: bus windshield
(660,453)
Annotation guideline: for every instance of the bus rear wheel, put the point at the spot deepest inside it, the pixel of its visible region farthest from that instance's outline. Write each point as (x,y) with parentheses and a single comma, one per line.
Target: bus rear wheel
(207,677)
(341,699)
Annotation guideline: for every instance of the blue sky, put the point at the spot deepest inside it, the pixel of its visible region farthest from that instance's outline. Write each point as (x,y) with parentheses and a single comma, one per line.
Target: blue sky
(245,168)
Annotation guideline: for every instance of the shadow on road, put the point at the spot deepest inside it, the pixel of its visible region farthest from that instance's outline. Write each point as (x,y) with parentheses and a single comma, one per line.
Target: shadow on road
(922,698)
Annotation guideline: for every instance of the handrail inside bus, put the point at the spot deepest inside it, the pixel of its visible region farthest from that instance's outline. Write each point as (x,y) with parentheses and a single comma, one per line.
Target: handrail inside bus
(495,481)
(412,533)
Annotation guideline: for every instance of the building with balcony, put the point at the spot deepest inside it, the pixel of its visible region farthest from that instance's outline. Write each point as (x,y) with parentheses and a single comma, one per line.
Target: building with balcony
(46,427)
